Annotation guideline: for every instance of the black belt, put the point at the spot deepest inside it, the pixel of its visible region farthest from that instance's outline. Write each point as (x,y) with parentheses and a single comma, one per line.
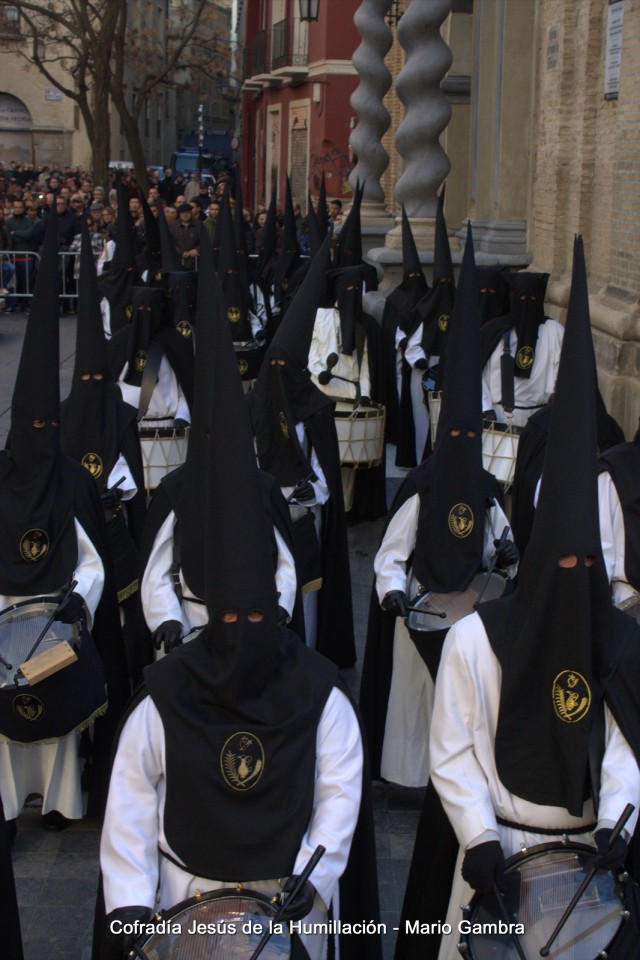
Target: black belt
(547,831)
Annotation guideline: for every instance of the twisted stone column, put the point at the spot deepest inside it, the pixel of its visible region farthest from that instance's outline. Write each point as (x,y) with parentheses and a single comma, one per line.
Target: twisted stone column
(367,102)
(426,165)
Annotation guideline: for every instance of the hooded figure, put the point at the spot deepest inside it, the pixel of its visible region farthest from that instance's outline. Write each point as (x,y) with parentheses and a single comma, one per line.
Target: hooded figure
(118,273)
(266,244)
(99,430)
(619,516)
(149,261)
(520,353)
(395,323)
(248,692)
(424,353)
(494,293)
(285,267)
(172,561)
(296,442)
(153,363)
(440,534)
(537,698)
(51,530)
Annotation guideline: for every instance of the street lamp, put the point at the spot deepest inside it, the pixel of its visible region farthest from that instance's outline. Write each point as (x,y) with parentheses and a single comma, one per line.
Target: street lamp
(309,9)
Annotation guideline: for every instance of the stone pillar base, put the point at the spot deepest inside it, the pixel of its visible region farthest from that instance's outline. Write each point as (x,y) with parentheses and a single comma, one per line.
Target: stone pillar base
(498,236)
(376,215)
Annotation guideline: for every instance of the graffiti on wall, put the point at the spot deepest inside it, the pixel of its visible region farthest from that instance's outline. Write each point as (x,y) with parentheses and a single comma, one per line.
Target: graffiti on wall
(335,165)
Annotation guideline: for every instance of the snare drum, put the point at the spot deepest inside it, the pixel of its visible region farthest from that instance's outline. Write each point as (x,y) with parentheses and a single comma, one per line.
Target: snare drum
(250,355)
(360,434)
(62,703)
(499,451)
(163,449)
(439,611)
(234,923)
(538,886)
(631,606)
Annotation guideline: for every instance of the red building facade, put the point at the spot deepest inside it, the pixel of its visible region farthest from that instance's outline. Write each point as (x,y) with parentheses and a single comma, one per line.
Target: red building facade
(296,111)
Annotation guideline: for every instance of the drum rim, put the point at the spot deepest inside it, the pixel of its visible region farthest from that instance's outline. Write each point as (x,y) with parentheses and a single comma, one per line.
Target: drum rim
(223,893)
(539,848)
(353,412)
(54,601)
(498,574)
(495,426)
(249,345)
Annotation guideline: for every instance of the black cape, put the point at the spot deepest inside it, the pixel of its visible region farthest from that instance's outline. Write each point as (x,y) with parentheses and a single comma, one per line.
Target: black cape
(176,348)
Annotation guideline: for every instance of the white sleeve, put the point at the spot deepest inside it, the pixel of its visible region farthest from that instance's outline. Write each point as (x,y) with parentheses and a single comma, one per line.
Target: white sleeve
(129,844)
(487,398)
(286,582)
(612,537)
(413,350)
(105,310)
(89,571)
(337,793)
(127,489)
(398,543)
(159,600)
(620,777)
(457,775)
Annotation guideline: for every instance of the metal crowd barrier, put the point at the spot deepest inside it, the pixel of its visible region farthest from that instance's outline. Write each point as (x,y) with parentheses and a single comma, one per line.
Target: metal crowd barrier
(20,279)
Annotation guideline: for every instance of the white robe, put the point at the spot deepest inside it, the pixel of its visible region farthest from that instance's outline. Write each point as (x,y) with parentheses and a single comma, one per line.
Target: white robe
(463,768)
(529,393)
(134,872)
(167,402)
(405,751)
(419,407)
(160,601)
(52,769)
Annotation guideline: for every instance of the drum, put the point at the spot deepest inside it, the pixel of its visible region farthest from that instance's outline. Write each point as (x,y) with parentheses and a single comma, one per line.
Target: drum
(163,449)
(439,611)
(631,606)
(360,434)
(250,355)
(539,884)
(64,702)
(499,451)
(434,402)
(232,925)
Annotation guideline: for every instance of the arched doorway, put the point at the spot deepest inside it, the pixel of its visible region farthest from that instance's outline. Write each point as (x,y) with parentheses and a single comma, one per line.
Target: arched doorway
(16,140)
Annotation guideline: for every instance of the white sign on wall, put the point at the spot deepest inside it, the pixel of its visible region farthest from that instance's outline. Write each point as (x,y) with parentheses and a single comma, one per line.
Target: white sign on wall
(52,93)
(614,50)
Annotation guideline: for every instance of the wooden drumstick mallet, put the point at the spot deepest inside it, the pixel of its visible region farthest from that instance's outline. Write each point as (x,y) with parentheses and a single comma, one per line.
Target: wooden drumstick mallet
(615,833)
(300,882)
(72,586)
(497,892)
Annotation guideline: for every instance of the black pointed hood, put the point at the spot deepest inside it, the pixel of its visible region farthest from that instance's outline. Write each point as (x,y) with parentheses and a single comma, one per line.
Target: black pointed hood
(289,259)
(452,515)
(147,306)
(494,293)
(39,546)
(350,237)
(553,635)
(285,394)
(414,285)
(116,282)
(435,308)
(315,235)
(245,692)
(526,312)
(235,291)
(323,212)
(171,262)
(151,258)
(269,238)
(88,425)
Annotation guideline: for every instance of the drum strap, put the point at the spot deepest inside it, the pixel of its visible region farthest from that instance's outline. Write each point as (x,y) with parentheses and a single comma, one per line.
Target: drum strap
(149,377)
(507,374)
(547,831)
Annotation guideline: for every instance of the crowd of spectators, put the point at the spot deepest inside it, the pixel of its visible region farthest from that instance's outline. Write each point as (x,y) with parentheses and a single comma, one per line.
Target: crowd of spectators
(27,195)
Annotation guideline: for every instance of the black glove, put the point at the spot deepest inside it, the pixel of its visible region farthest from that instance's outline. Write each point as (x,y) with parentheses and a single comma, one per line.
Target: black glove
(396,602)
(403,344)
(483,866)
(180,424)
(115,937)
(168,635)
(489,416)
(304,491)
(609,858)
(283,617)
(365,401)
(421,363)
(507,554)
(110,499)
(71,609)
(303,903)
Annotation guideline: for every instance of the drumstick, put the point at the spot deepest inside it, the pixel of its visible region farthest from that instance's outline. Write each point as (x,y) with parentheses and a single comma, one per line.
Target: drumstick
(72,586)
(497,892)
(615,833)
(492,563)
(300,882)
(139,952)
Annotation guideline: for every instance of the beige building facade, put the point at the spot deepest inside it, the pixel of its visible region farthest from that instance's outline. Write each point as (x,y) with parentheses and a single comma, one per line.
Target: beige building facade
(544,143)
